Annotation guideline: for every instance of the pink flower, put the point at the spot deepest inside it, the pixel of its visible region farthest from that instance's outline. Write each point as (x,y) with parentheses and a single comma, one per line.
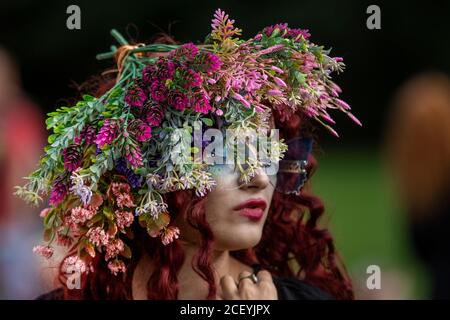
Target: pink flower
(45,212)
(124,200)
(108,133)
(275,92)
(143,132)
(119,187)
(113,248)
(124,219)
(342,104)
(80,215)
(45,251)
(309,63)
(327,118)
(169,235)
(74,263)
(97,236)
(276,69)
(116,266)
(241,99)
(272,49)
(354,119)
(133,155)
(280,82)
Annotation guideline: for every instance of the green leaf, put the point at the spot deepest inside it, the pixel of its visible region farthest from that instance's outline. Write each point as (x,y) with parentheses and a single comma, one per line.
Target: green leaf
(51,138)
(301,78)
(207,121)
(108,213)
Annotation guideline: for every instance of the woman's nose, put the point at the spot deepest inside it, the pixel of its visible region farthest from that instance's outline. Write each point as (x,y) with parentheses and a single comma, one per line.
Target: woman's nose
(259,181)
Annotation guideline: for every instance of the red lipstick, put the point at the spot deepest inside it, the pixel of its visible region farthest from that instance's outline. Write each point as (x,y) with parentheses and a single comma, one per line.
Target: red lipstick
(252,209)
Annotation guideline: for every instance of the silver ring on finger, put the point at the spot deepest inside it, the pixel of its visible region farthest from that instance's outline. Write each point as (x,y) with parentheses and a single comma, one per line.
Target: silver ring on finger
(252,277)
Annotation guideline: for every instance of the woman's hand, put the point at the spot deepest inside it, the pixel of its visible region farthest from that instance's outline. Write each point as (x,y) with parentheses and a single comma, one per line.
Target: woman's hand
(264,289)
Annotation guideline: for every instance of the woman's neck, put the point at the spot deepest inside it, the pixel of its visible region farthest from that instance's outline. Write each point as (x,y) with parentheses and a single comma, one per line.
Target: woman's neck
(191,285)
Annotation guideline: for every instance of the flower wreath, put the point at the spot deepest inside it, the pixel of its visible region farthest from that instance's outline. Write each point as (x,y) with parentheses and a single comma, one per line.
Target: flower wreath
(106,162)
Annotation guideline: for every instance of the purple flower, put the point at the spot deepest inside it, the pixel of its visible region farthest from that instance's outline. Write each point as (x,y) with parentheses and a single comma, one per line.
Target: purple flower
(158,91)
(280,26)
(154,114)
(190,78)
(286,32)
(59,191)
(188,51)
(134,179)
(212,62)
(148,74)
(135,96)
(294,33)
(87,134)
(201,103)
(178,100)
(72,157)
(164,69)
(141,131)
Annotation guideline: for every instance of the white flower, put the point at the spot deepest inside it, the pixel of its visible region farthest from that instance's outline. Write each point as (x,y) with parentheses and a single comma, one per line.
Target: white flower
(79,188)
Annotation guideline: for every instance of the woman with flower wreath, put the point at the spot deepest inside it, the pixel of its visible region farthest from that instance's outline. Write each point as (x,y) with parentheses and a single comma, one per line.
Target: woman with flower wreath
(138,224)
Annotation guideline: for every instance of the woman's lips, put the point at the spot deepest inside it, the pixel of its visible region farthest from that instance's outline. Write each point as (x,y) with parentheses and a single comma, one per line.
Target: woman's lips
(252,209)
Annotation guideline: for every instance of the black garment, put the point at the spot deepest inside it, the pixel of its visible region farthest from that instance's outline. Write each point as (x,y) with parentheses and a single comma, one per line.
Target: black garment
(295,289)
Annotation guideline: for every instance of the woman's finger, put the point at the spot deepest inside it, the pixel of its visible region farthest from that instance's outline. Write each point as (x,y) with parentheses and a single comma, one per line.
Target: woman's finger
(266,285)
(246,285)
(264,276)
(229,288)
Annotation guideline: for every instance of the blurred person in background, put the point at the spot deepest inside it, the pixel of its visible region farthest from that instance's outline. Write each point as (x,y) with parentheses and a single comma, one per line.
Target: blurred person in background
(419,155)
(22,136)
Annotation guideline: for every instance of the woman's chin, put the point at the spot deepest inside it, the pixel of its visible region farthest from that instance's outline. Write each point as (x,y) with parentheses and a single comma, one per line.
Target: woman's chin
(239,241)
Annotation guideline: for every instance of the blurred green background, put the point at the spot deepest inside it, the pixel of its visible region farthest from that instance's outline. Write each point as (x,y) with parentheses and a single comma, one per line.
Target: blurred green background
(367,221)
